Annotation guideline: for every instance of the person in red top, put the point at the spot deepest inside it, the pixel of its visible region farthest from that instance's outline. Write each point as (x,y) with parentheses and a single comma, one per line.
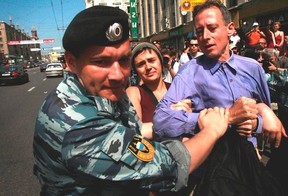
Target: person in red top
(147,61)
(278,38)
(254,35)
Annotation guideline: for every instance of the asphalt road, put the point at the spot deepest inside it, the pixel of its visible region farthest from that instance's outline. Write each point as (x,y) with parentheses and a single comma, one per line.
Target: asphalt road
(19,105)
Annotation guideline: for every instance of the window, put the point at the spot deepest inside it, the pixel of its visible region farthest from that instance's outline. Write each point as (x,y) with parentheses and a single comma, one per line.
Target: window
(233,3)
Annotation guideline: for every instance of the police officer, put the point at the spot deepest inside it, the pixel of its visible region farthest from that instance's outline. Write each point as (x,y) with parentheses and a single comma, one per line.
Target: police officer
(87,135)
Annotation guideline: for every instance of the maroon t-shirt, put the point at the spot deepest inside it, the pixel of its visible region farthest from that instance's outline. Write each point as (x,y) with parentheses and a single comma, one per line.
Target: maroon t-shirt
(148,106)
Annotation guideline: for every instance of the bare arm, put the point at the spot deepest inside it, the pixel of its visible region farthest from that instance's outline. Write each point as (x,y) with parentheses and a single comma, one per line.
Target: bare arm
(134,96)
(262,34)
(147,130)
(282,39)
(248,33)
(273,129)
(273,37)
(243,114)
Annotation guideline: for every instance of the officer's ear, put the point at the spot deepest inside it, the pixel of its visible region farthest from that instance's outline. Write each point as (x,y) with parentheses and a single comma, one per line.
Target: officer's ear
(70,61)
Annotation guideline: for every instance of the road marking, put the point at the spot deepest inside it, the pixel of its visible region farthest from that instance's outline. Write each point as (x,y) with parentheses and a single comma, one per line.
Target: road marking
(44,79)
(31,89)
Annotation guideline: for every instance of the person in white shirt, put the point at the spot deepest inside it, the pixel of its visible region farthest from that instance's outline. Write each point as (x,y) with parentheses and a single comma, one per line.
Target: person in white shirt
(170,65)
(234,38)
(193,52)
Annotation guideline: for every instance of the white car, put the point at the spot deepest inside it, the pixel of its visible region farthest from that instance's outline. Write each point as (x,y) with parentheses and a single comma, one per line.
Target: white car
(54,69)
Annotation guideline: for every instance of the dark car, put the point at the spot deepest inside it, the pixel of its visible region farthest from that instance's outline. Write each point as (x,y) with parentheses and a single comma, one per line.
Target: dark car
(13,74)
(42,67)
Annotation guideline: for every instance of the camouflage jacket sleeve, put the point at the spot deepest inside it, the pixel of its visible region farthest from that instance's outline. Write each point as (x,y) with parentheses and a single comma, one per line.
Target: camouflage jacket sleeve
(99,146)
(83,142)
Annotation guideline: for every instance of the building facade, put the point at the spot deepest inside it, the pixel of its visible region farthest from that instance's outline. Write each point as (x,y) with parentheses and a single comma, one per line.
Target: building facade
(121,4)
(163,20)
(12,53)
(247,12)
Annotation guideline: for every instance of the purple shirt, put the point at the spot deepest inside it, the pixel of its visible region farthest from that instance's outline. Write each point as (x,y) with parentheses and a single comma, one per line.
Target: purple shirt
(207,84)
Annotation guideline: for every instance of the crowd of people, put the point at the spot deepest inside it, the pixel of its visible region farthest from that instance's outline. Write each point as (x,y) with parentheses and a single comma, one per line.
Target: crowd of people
(97,134)
(268,46)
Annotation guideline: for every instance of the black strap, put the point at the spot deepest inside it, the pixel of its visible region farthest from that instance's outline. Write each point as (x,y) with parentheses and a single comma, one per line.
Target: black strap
(189,56)
(154,99)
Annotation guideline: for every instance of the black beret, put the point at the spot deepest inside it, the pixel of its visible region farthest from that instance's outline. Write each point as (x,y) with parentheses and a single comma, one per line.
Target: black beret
(97,25)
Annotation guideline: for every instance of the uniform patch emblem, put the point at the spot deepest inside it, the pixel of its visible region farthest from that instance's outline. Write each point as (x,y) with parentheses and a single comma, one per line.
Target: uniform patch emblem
(141,149)
(114,32)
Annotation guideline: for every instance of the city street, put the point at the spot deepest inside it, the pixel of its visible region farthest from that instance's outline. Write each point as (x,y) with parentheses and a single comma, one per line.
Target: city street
(187,61)
(19,107)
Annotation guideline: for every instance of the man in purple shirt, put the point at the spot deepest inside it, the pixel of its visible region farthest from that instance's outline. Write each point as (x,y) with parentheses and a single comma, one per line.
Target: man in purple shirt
(217,78)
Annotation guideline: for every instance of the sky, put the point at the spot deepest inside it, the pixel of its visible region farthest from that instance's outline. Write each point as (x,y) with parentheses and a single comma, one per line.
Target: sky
(49,17)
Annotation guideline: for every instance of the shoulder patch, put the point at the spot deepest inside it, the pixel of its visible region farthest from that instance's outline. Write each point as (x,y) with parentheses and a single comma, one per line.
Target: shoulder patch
(141,149)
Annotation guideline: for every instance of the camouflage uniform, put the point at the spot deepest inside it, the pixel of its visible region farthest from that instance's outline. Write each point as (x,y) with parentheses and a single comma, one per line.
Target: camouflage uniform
(81,147)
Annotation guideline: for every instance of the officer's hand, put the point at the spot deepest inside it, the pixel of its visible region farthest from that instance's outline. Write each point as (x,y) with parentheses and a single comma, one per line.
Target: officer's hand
(243,109)
(184,104)
(215,120)
(246,128)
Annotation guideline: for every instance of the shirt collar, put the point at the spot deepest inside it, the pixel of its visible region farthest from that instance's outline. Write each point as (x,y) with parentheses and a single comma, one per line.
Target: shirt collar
(232,61)
(214,65)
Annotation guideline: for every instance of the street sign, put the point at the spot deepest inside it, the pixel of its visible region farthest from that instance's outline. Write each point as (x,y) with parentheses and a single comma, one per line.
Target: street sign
(47,48)
(22,42)
(52,48)
(56,48)
(188,5)
(13,42)
(48,41)
(34,49)
(134,19)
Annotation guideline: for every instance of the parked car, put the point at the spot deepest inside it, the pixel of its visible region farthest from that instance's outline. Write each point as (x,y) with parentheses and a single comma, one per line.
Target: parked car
(54,69)
(13,74)
(30,64)
(42,67)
